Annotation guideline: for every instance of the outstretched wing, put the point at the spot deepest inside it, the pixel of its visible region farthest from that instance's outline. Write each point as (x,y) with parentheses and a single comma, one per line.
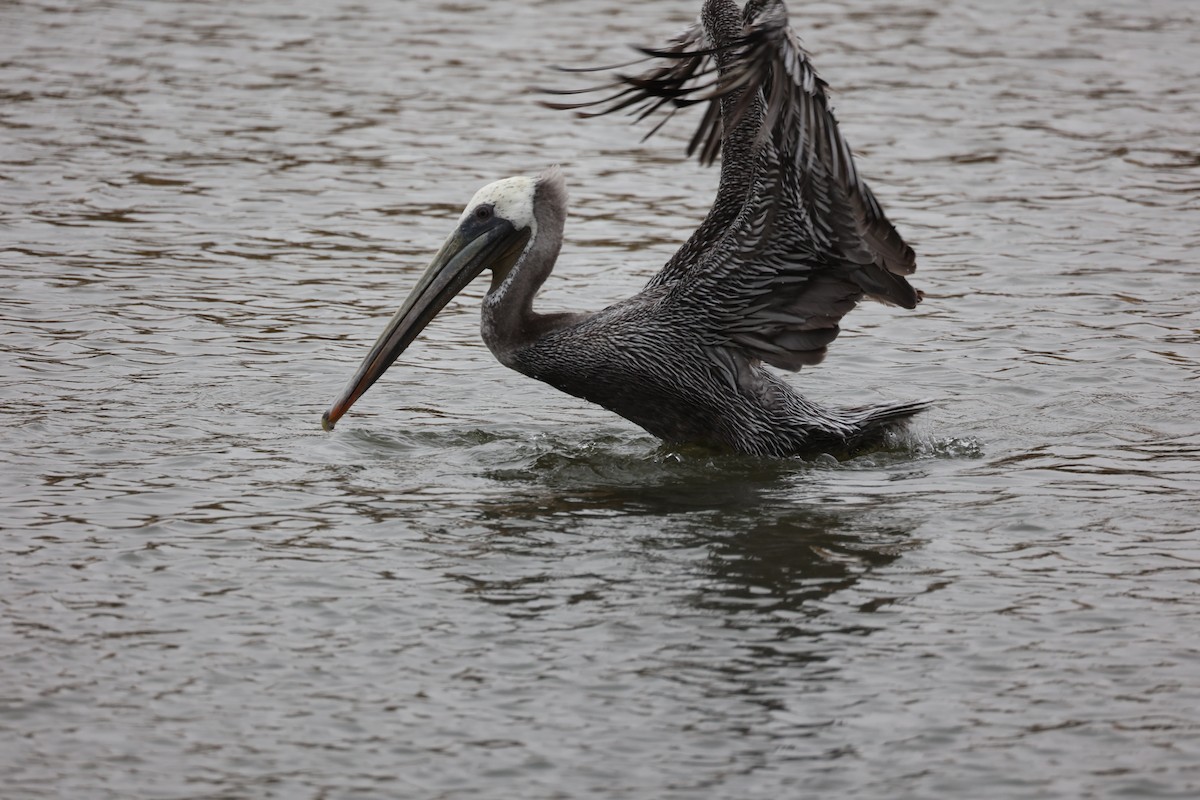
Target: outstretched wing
(795,237)
(815,171)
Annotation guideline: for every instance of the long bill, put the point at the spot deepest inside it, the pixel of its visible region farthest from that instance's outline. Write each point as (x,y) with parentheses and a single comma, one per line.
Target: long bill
(462,258)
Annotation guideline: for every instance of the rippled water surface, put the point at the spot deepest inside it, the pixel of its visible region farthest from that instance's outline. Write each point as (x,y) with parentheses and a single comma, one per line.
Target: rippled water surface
(479,587)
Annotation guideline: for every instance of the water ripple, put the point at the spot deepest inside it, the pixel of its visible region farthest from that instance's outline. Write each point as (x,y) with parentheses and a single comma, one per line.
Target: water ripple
(479,586)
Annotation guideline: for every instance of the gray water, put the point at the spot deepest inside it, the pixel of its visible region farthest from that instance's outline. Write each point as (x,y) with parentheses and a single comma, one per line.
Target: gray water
(479,587)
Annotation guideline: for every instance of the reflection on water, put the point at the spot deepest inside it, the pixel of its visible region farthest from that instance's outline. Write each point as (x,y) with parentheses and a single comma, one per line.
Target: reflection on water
(479,586)
(762,551)
(784,564)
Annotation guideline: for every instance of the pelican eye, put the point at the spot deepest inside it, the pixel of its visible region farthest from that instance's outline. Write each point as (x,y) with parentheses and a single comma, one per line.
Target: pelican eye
(483,213)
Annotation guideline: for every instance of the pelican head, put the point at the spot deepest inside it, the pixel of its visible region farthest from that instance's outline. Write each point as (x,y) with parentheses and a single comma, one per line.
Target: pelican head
(494,232)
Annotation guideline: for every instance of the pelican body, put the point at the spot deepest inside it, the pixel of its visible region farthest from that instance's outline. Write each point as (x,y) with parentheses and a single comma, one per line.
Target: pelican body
(793,241)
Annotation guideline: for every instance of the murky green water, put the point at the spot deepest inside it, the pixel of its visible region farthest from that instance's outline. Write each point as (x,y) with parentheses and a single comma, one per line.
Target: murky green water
(478,587)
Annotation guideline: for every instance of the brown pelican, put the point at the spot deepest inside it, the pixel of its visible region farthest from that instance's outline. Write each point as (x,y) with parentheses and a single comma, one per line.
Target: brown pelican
(793,241)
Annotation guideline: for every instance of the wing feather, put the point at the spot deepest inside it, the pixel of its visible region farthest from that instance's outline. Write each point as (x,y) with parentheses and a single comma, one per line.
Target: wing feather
(795,237)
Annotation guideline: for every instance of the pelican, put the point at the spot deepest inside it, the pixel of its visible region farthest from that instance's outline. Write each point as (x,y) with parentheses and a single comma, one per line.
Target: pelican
(794,239)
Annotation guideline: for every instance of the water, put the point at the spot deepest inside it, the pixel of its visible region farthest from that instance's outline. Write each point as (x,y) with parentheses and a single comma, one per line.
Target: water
(478,587)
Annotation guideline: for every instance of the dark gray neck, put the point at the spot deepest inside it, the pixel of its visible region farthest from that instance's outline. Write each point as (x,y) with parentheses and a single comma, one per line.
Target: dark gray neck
(508,319)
